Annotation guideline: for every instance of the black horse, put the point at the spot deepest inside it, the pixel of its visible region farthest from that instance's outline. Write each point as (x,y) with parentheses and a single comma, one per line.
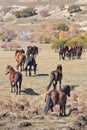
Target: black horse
(30,65)
(55,97)
(32,50)
(55,76)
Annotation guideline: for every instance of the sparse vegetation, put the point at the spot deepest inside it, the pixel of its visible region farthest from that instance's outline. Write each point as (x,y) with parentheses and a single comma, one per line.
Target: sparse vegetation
(57,43)
(25,13)
(74,8)
(62,27)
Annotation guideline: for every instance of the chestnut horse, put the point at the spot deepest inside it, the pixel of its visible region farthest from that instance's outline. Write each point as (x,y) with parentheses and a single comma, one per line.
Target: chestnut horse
(15,79)
(55,97)
(55,76)
(20,58)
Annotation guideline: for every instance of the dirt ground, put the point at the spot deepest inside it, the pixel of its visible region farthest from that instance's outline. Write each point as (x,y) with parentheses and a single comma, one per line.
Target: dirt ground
(74,74)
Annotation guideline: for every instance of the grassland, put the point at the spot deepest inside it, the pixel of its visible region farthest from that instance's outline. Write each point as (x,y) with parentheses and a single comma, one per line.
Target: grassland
(74,74)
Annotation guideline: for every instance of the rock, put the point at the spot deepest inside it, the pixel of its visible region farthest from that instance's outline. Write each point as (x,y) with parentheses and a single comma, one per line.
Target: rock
(25,124)
(21,107)
(66,128)
(33,111)
(39,117)
(81,122)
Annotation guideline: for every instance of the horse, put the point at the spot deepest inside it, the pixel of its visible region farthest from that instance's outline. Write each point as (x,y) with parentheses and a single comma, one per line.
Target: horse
(63,50)
(15,79)
(55,76)
(30,62)
(20,58)
(57,97)
(32,50)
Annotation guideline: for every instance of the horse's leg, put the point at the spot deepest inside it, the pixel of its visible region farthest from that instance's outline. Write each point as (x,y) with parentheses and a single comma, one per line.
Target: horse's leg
(16,89)
(54,85)
(51,107)
(20,87)
(17,66)
(26,71)
(64,109)
(61,112)
(30,71)
(21,67)
(35,66)
(11,88)
(60,84)
(51,81)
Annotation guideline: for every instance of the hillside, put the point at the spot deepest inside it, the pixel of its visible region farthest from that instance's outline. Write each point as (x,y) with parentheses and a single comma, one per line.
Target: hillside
(53,7)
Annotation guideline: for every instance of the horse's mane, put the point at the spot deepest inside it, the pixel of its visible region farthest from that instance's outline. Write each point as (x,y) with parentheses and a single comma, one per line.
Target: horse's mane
(66,89)
(59,67)
(22,51)
(9,66)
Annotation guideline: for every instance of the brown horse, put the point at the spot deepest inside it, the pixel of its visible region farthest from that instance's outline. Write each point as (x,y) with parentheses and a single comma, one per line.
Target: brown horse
(55,97)
(20,58)
(15,79)
(55,76)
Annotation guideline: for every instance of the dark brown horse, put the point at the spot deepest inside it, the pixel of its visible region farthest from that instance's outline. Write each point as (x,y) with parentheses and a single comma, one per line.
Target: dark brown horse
(55,97)
(15,79)
(55,76)
(20,58)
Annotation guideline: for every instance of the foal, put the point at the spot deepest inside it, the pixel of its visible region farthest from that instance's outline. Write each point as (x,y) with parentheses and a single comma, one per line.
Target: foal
(55,97)
(15,79)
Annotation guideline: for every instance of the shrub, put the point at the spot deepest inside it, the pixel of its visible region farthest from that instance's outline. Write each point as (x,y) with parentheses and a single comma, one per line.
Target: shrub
(7,35)
(57,43)
(25,12)
(62,27)
(74,8)
(46,39)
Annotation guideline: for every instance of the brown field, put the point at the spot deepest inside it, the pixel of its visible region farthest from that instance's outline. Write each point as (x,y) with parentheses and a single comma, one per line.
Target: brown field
(74,74)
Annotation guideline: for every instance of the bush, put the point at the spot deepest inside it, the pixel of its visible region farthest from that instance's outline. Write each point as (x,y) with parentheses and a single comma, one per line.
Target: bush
(7,35)
(74,8)
(62,27)
(57,43)
(25,12)
(46,39)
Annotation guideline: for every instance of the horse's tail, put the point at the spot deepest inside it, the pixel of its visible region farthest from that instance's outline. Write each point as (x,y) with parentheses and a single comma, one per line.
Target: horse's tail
(48,101)
(51,81)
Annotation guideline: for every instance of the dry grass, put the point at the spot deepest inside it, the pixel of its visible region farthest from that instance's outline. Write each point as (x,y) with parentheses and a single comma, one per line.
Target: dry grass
(74,73)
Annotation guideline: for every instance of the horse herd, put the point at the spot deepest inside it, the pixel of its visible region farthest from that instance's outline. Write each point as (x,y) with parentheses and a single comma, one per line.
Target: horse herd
(27,62)
(70,52)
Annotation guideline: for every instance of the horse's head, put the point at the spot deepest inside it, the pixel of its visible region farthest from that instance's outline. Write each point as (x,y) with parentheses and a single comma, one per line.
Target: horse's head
(9,69)
(59,68)
(66,90)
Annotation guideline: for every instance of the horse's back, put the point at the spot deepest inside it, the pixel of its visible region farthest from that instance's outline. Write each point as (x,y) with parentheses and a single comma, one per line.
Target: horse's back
(57,75)
(62,97)
(57,96)
(20,57)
